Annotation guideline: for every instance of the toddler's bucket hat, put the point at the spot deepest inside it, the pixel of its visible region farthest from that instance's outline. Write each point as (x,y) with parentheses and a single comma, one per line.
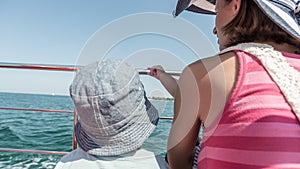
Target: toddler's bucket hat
(285,13)
(114,114)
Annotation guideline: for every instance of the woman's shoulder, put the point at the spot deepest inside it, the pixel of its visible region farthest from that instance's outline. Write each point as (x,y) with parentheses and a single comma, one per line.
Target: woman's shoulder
(214,74)
(206,65)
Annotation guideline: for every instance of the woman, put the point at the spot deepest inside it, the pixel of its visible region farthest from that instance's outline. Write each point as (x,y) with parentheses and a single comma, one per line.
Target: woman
(247,96)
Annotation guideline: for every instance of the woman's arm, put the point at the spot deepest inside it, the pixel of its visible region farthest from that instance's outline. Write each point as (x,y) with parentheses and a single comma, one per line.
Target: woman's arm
(168,81)
(186,124)
(203,90)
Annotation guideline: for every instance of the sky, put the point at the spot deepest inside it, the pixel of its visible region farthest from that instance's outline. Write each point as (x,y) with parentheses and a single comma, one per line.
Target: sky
(77,32)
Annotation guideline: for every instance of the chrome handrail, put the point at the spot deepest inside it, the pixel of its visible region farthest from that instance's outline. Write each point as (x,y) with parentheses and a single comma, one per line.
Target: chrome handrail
(59,111)
(55,68)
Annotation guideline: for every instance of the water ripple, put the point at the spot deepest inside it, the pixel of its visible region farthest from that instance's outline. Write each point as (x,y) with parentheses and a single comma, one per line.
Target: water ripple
(52,131)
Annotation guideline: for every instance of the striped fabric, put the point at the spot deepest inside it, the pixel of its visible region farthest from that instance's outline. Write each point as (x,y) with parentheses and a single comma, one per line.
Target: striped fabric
(257,129)
(195,162)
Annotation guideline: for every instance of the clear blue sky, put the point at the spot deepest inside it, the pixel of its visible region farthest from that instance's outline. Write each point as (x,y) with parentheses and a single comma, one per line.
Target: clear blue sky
(75,32)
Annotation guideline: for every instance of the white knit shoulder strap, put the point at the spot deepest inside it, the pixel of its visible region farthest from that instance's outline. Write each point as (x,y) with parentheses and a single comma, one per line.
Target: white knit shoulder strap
(285,76)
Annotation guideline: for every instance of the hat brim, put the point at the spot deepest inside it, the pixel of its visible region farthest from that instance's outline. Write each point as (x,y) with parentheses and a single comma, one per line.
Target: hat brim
(276,11)
(280,13)
(197,6)
(128,140)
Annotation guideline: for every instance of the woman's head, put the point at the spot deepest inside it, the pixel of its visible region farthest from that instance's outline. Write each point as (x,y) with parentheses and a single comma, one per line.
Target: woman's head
(240,21)
(251,24)
(226,11)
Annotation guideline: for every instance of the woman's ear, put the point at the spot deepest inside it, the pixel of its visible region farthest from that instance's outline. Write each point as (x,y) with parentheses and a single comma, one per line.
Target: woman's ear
(236,4)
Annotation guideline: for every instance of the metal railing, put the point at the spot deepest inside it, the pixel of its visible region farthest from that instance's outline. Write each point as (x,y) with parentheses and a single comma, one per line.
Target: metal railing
(54,68)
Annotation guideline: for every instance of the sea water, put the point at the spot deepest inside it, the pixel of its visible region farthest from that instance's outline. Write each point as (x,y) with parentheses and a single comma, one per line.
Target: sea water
(53,131)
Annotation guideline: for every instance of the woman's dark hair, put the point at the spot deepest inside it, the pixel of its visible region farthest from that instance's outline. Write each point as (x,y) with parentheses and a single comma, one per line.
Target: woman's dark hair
(251,24)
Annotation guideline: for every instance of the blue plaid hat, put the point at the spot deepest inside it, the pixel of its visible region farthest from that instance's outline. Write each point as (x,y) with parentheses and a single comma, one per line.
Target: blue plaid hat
(114,114)
(285,13)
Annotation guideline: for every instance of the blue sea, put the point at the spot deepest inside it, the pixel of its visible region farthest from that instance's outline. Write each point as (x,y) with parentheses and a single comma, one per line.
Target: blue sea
(53,131)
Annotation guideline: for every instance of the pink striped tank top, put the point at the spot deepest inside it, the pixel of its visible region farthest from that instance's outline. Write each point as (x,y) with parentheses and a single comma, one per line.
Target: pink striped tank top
(258,128)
